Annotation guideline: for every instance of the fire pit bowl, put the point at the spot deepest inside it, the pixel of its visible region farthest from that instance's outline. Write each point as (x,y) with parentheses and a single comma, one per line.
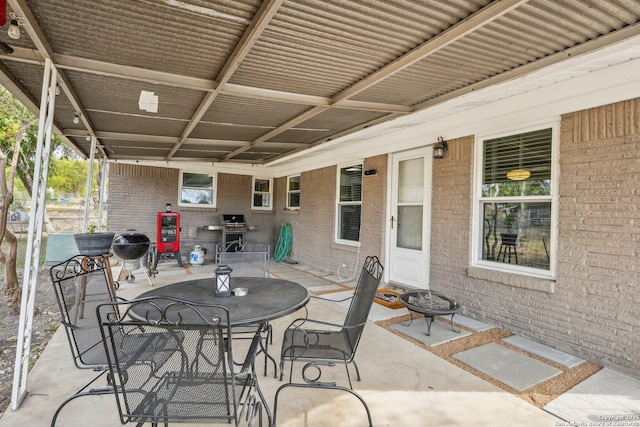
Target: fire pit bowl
(130,245)
(430,304)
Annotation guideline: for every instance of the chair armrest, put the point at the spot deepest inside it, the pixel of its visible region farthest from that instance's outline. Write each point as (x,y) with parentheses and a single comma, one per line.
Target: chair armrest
(298,323)
(332,300)
(74,328)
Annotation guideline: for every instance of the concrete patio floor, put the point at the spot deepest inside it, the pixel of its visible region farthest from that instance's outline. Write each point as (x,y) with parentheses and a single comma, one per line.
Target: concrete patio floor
(403,384)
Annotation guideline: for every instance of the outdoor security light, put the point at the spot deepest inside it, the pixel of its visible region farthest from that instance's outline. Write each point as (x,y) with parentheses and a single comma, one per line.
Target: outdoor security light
(439,148)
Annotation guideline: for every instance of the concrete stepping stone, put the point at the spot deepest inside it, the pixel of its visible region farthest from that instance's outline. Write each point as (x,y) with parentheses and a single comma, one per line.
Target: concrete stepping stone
(560,357)
(441,333)
(507,366)
(474,325)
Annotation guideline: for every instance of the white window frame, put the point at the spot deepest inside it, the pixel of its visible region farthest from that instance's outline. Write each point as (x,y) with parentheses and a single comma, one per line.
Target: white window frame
(214,184)
(477,215)
(289,192)
(254,193)
(340,203)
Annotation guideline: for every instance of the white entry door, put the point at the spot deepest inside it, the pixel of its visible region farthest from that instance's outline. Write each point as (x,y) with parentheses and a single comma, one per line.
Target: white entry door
(409,222)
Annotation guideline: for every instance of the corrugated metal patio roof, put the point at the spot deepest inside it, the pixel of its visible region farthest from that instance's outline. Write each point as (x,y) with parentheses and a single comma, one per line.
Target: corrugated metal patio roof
(251,82)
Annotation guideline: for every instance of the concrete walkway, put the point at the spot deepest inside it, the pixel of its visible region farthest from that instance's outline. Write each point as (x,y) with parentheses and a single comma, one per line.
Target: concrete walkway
(403,384)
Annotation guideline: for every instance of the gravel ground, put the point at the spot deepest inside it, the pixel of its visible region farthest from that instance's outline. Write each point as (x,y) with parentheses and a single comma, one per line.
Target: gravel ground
(45,322)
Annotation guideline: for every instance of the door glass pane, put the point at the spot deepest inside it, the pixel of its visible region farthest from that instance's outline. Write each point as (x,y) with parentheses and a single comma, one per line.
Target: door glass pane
(409,227)
(411,181)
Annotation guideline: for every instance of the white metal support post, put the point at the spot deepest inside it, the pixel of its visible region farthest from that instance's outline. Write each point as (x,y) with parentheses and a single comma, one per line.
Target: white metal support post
(103,177)
(34,239)
(87,197)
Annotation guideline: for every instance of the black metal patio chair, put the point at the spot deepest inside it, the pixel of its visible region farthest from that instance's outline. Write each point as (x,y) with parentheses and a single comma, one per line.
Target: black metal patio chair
(198,383)
(323,344)
(81,283)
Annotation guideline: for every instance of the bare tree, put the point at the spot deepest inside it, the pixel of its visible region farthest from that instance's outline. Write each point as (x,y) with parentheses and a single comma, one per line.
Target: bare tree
(11,289)
(18,130)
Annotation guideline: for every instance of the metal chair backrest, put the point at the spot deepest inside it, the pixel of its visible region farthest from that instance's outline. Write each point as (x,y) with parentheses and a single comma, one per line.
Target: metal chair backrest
(81,283)
(363,298)
(252,260)
(170,360)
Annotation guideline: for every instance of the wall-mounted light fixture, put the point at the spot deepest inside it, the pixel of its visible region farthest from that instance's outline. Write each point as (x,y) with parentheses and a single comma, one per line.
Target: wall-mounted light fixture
(76,118)
(14,28)
(440,148)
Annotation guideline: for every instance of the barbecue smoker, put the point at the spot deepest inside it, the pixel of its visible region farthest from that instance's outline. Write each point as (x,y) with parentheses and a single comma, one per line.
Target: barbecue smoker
(233,229)
(168,241)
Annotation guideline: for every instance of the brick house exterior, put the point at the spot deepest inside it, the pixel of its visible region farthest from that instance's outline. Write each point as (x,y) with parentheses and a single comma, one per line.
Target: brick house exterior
(591,307)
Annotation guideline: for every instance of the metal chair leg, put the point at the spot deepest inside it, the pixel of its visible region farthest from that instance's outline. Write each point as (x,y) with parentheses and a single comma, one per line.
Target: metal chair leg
(324,387)
(80,393)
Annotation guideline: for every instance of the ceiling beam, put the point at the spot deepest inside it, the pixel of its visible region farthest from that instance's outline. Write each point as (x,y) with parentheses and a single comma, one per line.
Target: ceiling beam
(279,157)
(280,129)
(18,91)
(33,30)
(260,21)
(572,52)
(102,68)
(477,20)
(108,69)
(484,16)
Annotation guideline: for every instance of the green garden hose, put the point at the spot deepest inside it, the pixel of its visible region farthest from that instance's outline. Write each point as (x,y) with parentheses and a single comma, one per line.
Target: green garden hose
(282,251)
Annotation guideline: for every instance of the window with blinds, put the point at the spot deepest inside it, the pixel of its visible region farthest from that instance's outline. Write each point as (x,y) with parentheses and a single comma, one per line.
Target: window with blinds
(349,203)
(515,202)
(510,161)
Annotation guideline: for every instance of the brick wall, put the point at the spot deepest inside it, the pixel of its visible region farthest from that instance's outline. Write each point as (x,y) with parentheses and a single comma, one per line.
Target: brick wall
(313,225)
(599,234)
(591,309)
(450,220)
(137,193)
(140,190)
(234,197)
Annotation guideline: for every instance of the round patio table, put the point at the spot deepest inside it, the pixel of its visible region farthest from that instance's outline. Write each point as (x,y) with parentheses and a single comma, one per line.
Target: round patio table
(430,304)
(267,298)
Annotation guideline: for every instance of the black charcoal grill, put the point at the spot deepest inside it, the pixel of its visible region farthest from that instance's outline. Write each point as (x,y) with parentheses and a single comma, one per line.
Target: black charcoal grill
(131,247)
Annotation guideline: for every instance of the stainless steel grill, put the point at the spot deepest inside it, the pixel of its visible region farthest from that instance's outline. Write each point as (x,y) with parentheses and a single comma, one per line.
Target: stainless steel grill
(233,229)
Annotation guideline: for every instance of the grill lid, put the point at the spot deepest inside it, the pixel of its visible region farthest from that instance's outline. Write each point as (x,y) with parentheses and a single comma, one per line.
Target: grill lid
(233,219)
